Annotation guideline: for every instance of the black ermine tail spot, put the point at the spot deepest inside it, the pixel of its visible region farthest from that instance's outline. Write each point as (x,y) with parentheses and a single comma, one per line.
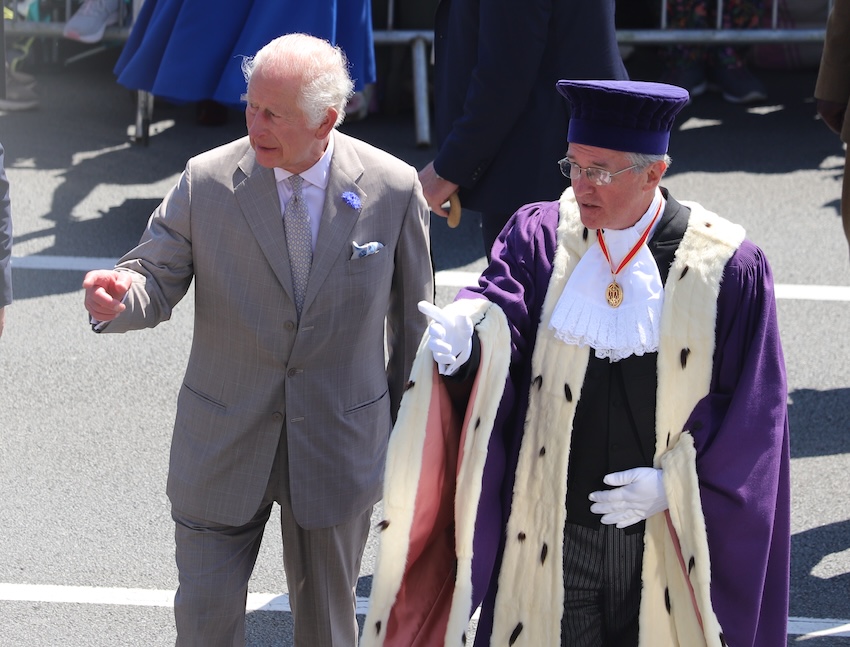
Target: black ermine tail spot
(515,634)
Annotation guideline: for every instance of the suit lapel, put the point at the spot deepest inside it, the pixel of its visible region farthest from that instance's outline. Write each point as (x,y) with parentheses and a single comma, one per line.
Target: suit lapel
(338,217)
(255,189)
(671,228)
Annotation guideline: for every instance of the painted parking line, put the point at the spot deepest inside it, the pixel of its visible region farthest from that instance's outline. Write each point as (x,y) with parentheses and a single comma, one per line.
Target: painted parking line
(807,627)
(69,263)
(448,278)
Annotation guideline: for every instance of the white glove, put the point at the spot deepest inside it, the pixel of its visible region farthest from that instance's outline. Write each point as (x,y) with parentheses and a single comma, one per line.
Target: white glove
(450,338)
(640,495)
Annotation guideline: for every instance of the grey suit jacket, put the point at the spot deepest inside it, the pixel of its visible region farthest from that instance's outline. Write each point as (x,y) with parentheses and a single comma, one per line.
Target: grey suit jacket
(254,372)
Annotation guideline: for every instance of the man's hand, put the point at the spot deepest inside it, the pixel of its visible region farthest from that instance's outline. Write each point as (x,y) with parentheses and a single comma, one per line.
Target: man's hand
(832,114)
(639,494)
(450,338)
(105,291)
(436,190)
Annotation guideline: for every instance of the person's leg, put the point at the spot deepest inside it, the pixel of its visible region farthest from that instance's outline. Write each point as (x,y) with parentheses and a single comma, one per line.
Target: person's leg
(214,563)
(582,623)
(845,197)
(728,69)
(322,567)
(737,14)
(684,65)
(622,574)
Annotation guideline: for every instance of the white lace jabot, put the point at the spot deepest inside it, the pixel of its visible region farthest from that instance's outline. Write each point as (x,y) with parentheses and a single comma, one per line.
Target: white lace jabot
(583,317)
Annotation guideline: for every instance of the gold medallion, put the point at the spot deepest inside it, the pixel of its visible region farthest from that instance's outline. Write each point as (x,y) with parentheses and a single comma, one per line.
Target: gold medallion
(614,294)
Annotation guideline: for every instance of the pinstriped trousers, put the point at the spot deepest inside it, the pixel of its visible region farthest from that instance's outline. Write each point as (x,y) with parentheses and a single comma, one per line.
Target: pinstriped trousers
(602,582)
(215,564)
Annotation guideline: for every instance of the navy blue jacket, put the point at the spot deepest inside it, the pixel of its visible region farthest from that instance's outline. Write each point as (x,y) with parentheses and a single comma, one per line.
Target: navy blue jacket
(501,124)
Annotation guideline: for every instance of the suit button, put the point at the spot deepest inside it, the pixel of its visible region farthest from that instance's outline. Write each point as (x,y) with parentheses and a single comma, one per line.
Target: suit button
(292,372)
(289,325)
(277,416)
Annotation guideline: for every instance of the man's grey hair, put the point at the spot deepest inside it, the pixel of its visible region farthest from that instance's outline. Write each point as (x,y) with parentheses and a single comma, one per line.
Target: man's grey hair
(323,68)
(642,160)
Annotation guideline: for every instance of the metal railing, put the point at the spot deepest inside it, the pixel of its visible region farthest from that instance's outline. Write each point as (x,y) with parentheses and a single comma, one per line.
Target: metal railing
(420,41)
(52,26)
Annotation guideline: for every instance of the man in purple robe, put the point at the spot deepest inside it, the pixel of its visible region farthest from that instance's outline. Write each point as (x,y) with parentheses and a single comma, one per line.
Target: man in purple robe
(593,445)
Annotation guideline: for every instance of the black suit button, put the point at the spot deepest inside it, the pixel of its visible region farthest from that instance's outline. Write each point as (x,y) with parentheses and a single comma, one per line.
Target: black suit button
(292,372)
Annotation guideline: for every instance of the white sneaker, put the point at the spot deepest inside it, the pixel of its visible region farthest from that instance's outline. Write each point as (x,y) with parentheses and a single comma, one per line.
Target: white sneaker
(91,19)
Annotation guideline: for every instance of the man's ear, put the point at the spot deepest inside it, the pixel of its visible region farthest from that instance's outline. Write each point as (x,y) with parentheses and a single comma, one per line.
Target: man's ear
(655,172)
(327,124)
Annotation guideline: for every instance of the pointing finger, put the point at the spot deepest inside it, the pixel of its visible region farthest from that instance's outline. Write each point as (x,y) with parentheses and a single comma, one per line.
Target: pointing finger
(432,311)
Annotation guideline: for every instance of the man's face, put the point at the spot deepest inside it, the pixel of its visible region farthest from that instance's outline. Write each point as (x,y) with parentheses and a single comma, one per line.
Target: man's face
(621,203)
(277,128)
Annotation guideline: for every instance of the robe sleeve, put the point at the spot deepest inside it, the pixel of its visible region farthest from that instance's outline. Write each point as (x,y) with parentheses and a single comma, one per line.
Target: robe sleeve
(740,432)
(518,276)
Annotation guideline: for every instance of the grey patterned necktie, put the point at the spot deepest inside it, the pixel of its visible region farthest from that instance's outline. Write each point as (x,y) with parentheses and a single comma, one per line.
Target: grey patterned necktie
(299,240)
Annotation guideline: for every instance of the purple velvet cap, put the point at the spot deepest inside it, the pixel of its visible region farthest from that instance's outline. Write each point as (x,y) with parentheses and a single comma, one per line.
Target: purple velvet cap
(629,116)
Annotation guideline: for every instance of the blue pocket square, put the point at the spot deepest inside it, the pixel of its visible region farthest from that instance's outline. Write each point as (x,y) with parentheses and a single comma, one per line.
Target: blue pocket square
(359,251)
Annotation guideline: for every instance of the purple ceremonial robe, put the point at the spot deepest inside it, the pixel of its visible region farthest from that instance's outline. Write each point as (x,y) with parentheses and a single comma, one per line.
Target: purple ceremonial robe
(740,430)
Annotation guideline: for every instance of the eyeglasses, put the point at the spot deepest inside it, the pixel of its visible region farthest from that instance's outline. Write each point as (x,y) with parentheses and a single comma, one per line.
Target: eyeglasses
(599,176)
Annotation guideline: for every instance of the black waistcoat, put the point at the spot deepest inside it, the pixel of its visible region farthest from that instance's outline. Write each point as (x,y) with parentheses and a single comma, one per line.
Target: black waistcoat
(614,425)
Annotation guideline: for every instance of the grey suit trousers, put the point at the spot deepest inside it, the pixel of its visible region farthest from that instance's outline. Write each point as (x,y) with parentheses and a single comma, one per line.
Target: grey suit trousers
(215,563)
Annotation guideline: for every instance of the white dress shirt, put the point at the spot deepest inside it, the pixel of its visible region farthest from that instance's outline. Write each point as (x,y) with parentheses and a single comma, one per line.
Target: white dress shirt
(313,189)
(582,315)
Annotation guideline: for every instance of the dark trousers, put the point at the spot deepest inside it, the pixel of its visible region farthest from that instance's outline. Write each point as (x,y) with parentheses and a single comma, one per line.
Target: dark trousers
(845,199)
(602,582)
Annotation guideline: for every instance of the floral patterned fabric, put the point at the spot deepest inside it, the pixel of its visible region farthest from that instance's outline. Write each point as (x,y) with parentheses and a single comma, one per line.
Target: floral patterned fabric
(702,14)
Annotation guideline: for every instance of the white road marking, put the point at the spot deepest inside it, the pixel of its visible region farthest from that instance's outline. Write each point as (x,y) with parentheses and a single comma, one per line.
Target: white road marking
(807,627)
(454,279)
(71,263)
(447,278)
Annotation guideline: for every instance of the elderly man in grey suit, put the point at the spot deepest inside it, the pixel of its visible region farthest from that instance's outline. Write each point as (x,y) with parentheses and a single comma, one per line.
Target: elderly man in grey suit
(288,396)
(5,243)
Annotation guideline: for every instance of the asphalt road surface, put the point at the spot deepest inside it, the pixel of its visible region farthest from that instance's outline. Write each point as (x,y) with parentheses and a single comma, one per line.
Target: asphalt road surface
(86,556)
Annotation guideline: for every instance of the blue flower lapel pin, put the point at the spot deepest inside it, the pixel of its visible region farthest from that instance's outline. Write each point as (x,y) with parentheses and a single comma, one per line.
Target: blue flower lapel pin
(351,199)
